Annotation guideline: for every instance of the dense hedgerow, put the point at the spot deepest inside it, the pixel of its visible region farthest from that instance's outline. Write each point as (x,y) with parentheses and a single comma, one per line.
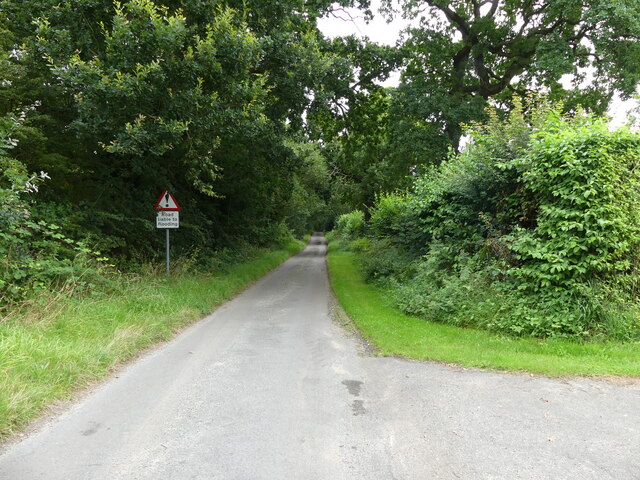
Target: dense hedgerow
(533,230)
(350,225)
(34,254)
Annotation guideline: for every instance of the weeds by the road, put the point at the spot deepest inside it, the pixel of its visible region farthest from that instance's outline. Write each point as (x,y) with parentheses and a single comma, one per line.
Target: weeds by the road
(395,333)
(49,352)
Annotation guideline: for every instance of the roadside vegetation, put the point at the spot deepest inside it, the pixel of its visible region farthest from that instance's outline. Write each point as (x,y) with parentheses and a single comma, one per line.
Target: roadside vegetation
(55,345)
(392,332)
(264,129)
(532,232)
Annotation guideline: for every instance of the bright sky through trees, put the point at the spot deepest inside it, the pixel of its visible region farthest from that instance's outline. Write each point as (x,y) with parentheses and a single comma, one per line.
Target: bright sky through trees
(351,21)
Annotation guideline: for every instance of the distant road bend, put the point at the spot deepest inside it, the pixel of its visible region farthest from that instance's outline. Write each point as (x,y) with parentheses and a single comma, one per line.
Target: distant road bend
(267,387)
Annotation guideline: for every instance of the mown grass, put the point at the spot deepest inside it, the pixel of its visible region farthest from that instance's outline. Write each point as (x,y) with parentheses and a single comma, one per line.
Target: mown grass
(49,354)
(395,333)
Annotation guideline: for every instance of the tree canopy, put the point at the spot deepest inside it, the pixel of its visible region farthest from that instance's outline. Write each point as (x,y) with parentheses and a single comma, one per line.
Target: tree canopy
(259,123)
(203,98)
(464,53)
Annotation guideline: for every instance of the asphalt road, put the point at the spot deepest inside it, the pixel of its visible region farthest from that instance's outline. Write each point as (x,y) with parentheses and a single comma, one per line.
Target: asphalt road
(268,387)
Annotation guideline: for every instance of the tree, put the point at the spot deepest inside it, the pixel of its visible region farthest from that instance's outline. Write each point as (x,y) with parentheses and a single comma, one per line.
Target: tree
(350,113)
(464,53)
(198,96)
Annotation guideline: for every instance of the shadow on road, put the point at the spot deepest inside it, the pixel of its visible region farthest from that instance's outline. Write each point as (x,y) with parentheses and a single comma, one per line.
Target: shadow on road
(316,246)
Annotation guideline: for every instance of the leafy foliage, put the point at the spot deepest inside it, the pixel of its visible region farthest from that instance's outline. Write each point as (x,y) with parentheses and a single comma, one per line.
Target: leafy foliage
(350,225)
(458,58)
(261,128)
(531,231)
(308,209)
(35,254)
(203,98)
(460,54)
(587,222)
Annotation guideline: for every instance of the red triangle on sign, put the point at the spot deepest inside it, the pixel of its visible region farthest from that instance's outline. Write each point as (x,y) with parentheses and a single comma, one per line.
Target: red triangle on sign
(167,202)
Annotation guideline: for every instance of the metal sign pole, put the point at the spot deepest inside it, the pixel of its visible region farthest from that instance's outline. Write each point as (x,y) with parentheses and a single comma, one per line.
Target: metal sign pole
(167,251)
(167,217)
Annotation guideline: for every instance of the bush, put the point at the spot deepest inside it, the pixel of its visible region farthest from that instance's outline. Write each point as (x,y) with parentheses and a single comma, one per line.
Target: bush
(394,216)
(34,255)
(462,298)
(381,260)
(350,225)
(587,188)
(282,235)
(533,230)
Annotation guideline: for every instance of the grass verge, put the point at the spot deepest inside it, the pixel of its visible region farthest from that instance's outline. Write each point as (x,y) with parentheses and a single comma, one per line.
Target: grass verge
(49,354)
(395,333)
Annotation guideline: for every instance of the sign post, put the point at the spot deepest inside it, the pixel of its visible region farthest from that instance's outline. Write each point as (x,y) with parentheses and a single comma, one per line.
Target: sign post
(168,216)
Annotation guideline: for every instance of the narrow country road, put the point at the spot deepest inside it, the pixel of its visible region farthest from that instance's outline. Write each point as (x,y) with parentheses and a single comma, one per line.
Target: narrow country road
(269,388)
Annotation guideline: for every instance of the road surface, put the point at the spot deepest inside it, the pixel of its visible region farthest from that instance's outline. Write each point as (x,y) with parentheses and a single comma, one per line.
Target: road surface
(268,387)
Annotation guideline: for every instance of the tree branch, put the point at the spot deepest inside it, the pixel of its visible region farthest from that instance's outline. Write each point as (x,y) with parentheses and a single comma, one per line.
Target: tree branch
(476,9)
(460,60)
(453,17)
(345,12)
(494,8)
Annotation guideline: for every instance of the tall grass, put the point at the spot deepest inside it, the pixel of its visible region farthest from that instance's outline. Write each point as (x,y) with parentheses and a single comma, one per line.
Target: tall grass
(47,354)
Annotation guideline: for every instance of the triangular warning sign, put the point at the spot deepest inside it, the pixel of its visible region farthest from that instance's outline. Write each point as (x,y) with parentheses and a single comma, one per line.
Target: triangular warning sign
(167,202)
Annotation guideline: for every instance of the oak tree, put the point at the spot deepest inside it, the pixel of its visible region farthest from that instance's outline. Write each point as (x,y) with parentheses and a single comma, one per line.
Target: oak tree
(464,53)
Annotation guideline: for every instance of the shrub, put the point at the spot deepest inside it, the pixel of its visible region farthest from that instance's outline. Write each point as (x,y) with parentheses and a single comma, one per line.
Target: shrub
(461,294)
(381,259)
(351,225)
(35,254)
(283,235)
(533,230)
(587,188)
(395,216)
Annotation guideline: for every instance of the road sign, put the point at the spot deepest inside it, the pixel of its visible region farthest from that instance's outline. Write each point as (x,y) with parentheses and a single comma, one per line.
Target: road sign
(168,219)
(167,202)
(168,216)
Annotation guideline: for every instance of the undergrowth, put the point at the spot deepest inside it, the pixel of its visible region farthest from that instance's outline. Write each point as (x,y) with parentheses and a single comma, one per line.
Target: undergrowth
(532,231)
(394,332)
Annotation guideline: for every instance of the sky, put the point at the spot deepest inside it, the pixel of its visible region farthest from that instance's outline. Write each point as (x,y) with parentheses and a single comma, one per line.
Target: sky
(351,22)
